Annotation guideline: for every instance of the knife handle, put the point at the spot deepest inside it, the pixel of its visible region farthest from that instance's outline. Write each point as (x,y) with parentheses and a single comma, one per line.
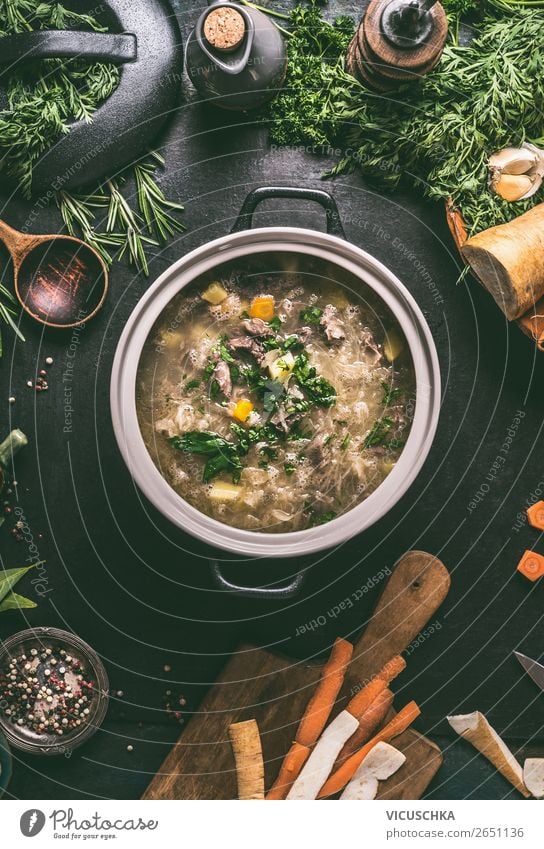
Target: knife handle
(415,590)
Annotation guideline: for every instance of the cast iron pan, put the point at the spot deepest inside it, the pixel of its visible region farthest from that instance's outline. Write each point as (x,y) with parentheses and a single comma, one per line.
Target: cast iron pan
(145,40)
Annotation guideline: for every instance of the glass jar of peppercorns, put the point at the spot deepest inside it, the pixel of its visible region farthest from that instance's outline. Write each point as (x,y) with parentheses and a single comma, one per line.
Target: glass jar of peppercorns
(53,691)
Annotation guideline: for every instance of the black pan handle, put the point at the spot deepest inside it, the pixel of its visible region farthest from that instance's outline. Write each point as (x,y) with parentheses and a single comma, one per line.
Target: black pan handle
(271,593)
(59,44)
(324,199)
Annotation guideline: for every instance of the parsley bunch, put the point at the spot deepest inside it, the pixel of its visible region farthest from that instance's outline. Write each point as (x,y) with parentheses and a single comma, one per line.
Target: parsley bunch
(435,134)
(314,50)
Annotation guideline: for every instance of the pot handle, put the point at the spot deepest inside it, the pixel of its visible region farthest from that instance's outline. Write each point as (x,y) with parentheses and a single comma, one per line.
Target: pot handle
(271,593)
(324,199)
(52,44)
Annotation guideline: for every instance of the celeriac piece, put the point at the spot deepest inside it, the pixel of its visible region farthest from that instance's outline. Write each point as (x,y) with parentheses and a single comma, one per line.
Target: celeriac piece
(509,261)
(318,766)
(381,762)
(281,368)
(393,345)
(171,339)
(533,776)
(248,755)
(215,294)
(224,491)
(475,728)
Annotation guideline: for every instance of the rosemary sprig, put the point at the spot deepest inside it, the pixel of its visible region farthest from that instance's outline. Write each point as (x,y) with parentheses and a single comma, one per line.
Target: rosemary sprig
(107,221)
(79,215)
(7,313)
(152,201)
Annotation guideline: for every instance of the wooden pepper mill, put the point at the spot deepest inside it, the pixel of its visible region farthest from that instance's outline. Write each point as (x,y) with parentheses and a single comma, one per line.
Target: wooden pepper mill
(397,41)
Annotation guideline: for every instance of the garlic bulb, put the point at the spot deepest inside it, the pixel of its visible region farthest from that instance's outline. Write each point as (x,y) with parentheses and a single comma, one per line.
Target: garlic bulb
(516,173)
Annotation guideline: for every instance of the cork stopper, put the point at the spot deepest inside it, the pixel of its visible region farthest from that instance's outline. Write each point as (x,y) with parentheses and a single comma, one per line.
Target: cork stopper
(224,28)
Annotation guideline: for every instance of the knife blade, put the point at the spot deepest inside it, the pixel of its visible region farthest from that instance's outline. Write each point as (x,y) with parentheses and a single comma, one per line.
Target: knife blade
(532,668)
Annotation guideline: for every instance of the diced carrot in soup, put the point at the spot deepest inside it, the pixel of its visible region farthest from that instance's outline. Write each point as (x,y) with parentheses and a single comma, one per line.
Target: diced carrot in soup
(262,307)
(242,410)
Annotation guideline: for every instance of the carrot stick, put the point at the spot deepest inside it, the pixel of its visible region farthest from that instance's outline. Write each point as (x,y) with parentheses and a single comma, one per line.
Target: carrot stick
(368,723)
(361,702)
(392,668)
(338,780)
(290,769)
(314,719)
(322,702)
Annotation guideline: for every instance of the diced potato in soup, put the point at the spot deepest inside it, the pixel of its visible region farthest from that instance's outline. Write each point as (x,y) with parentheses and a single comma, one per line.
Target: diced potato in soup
(285,401)
(215,294)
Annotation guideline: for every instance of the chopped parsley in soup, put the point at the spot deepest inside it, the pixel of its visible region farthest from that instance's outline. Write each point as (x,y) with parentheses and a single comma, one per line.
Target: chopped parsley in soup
(275,402)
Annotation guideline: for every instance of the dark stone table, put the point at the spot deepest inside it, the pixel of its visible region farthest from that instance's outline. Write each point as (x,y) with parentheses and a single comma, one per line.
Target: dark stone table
(141,593)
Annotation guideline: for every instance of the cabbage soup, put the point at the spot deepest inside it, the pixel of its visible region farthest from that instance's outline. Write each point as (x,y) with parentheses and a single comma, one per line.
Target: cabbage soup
(275,400)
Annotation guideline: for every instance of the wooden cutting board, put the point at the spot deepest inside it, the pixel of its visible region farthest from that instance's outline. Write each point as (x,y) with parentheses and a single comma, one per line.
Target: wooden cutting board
(257,684)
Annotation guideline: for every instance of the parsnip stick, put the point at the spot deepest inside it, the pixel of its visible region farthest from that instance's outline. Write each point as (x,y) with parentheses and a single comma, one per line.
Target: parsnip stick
(248,755)
(319,764)
(381,762)
(475,728)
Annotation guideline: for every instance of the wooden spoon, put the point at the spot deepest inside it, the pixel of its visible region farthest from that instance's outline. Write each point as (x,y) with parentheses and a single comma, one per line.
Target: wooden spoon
(59,280)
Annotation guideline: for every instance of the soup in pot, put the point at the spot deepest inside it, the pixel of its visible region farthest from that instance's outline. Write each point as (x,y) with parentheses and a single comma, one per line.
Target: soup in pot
(275,401)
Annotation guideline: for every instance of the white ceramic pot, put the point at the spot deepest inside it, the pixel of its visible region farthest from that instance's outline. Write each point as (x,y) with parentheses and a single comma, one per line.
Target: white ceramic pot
(333,248)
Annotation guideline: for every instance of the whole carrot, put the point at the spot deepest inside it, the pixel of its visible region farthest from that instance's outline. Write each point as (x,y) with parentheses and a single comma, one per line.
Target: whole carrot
(322,702)
(370,706)
(314,719)
(338,780)
(292,764)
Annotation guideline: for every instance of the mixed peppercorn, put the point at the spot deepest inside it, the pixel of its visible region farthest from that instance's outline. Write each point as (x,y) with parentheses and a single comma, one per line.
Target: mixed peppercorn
(46,691)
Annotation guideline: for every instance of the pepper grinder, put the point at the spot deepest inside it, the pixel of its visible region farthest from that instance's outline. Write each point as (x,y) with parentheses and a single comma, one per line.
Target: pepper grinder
(397,41)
